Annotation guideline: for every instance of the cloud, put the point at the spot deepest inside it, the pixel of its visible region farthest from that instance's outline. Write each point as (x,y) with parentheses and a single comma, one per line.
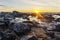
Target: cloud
(43,3)
(31,3)
(1,4)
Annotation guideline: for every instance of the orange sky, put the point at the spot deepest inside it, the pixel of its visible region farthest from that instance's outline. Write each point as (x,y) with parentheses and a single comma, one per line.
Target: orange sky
(31,10)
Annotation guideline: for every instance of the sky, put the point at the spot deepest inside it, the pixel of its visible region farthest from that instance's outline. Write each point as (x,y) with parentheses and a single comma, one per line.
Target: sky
(29,4)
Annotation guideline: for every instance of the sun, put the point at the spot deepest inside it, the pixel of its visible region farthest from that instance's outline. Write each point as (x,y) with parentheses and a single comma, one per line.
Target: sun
(36,11)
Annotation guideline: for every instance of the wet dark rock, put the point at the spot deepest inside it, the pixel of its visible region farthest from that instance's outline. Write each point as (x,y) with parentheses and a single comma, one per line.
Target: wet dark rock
(21,29)
(2,25)
(1,35)
(8,36)
(52,35)
(57,38)
(57,28)
(28,38)
(31,23)
(8,31)
(33,38)
(57,20)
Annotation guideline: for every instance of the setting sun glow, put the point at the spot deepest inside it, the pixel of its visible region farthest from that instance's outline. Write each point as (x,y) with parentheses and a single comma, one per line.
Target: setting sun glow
(38,14)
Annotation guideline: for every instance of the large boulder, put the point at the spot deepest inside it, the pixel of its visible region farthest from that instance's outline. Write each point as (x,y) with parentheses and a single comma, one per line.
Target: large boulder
(21,29)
